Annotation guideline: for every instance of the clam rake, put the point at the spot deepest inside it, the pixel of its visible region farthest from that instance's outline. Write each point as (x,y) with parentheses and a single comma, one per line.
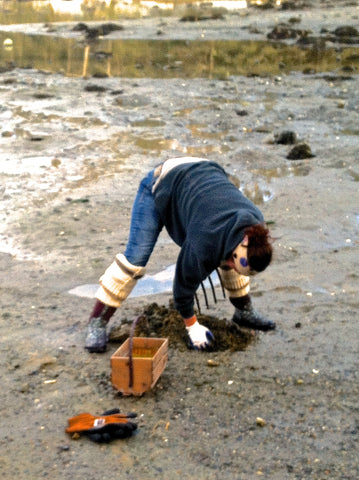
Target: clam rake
(203,288)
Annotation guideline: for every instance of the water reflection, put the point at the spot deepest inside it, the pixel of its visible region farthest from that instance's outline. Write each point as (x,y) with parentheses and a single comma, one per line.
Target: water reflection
(162,58)
(301,170)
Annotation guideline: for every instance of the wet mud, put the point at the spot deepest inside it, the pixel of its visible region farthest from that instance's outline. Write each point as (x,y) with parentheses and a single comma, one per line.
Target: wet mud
(165,322)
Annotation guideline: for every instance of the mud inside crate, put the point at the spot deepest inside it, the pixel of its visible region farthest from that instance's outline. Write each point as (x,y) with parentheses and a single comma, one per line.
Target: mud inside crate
(137,373)
(143,352)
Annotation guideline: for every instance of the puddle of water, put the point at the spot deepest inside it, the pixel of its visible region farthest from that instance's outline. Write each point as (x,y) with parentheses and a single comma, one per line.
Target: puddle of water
(148,122)
(281,172)
(184,112)
(203,150)
(257,194)
(161,58)
(199,130)
(157,144)
(170,144)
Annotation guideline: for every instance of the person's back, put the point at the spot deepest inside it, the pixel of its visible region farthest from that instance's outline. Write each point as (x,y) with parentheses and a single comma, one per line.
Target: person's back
(199,203)
(215,226)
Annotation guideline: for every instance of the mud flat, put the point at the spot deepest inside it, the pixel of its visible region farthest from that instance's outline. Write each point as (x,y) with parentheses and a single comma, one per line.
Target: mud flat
(282,405)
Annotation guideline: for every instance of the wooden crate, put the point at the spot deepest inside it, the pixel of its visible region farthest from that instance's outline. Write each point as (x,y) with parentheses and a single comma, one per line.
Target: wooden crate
(149,358)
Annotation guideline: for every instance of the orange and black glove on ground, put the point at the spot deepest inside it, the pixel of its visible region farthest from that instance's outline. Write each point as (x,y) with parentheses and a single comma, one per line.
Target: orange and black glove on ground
(104,428)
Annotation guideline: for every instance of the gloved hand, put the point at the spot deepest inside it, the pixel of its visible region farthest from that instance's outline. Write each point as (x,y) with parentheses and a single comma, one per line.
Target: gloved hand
(200,336)
(105,428)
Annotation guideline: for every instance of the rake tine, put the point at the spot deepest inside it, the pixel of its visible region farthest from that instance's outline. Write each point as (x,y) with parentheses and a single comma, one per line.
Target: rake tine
(212,288)
(205,295)
(197,303)
(220,281)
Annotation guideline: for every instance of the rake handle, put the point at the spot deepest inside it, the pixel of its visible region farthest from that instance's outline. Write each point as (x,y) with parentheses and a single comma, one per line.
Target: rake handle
(132,332)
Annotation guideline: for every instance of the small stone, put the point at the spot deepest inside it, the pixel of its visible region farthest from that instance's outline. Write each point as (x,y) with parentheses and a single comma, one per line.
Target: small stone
(212,363)
(25,387)
(64,448)
(7,134)
(261,422)
(241,113)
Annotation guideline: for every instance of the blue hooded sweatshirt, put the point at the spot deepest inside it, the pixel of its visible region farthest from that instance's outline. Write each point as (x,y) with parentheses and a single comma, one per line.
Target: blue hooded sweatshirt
(206,215)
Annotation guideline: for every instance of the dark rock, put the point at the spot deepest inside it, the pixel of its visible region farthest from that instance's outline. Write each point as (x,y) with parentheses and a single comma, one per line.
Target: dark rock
(336,78)
(316,42)
(346,31)
(43,96)
(241,113)
(107,28)
(80,27)
(117,92)
(95,88)
(100,75)
(282,32)
(293,5)
(300,152)
(100,31)
(286,137)
(349,69)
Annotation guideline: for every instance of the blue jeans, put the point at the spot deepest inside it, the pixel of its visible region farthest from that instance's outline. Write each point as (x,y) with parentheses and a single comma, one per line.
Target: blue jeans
(146,224)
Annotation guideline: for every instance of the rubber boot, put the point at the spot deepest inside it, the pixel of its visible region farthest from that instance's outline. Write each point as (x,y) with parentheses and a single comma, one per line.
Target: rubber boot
(96,337)
(246,316)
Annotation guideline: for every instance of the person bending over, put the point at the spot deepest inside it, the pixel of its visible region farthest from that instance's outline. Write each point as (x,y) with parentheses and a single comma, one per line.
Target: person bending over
(215,225)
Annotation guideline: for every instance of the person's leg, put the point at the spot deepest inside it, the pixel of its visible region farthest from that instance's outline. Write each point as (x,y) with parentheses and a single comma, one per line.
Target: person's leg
(237,288)
(246,316)
(121,276)
(146,224)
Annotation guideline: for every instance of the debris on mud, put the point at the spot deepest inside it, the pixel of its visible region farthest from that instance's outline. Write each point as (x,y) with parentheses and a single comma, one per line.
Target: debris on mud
(286,137)
(285,32)
(300,152)
(165,322)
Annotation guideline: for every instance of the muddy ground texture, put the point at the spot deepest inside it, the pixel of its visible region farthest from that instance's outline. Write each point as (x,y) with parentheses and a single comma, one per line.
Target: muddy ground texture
(160,321)
(281,405)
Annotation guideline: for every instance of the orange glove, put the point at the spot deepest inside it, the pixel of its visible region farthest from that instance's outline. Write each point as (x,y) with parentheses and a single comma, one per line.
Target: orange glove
(109,426)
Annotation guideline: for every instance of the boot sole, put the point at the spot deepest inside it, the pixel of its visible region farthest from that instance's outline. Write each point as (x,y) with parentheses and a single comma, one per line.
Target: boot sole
(262,328)
(96,349)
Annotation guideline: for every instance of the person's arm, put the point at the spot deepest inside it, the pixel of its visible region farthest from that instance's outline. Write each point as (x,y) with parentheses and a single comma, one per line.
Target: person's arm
(189,274)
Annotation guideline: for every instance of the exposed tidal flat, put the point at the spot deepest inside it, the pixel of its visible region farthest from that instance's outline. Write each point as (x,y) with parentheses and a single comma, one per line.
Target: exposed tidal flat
(76,137)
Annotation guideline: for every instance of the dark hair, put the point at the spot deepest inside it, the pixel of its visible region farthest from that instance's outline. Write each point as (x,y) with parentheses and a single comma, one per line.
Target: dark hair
(259,253)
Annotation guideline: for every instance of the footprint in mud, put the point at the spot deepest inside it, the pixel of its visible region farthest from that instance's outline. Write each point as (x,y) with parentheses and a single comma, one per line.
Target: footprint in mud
(165,322)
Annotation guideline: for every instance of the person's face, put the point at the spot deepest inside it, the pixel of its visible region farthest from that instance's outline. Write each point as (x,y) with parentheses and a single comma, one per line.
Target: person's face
(239,261)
